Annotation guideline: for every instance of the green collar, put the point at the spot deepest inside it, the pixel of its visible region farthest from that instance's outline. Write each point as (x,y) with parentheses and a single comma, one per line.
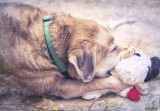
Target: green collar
(58,61)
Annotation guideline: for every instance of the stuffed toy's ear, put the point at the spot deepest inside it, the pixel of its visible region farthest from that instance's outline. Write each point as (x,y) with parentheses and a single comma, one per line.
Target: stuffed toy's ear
(128,53)
(84,64)
(154,70)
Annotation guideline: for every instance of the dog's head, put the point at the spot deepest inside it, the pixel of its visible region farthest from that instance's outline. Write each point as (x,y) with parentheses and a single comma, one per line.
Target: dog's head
(91,50)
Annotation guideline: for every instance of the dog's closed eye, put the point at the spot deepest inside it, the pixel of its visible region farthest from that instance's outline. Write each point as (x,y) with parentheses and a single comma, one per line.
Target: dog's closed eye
(115,48)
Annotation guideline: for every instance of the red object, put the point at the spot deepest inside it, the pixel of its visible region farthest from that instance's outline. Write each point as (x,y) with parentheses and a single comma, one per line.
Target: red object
(134,94)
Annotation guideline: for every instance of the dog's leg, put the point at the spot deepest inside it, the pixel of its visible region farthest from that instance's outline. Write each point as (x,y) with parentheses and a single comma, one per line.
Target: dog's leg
(47,84)
(143,88)
(76,88)
(94,94)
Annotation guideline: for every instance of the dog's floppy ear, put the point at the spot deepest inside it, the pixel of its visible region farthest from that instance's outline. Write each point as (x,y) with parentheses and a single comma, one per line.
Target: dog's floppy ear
(84,64)
(128,53)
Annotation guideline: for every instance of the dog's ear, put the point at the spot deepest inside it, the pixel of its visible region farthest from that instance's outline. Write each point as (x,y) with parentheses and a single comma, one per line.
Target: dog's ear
(128,53)
(84,64)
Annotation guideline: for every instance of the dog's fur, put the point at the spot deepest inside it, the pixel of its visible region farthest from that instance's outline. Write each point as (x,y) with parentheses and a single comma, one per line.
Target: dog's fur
(87,49)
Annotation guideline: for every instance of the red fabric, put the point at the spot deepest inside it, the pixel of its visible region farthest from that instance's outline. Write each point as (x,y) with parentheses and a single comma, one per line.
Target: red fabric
(133,94)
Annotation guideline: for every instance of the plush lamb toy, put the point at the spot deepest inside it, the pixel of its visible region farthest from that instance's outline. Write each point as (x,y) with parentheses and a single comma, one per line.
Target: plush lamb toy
(134,71)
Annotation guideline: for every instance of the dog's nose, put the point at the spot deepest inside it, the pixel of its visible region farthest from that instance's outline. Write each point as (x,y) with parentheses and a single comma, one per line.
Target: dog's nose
(108,73)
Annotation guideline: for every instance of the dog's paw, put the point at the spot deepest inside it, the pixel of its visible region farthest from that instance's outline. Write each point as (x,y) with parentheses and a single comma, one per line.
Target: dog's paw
(91,96)
(143,88)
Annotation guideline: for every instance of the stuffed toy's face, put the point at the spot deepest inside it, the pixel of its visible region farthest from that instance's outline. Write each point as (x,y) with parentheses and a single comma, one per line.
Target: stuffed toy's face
(133,69)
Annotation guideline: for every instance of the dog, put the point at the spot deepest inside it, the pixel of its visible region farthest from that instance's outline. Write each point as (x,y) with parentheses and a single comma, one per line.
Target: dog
(87,49)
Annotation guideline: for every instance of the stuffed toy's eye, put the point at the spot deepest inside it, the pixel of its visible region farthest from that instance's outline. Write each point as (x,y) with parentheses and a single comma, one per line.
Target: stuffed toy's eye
(137,54)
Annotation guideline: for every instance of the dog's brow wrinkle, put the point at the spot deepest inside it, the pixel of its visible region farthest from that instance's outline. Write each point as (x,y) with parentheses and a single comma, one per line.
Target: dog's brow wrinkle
(111,40)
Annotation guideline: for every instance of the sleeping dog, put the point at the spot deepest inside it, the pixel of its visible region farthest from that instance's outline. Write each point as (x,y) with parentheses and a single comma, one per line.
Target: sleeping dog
(86,50)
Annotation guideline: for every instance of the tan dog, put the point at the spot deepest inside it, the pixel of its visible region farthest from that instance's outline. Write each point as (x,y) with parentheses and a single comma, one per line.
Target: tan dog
(87,49)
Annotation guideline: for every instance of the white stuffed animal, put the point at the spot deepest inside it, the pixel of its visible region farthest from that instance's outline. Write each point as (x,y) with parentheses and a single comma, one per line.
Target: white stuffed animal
(133,71)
